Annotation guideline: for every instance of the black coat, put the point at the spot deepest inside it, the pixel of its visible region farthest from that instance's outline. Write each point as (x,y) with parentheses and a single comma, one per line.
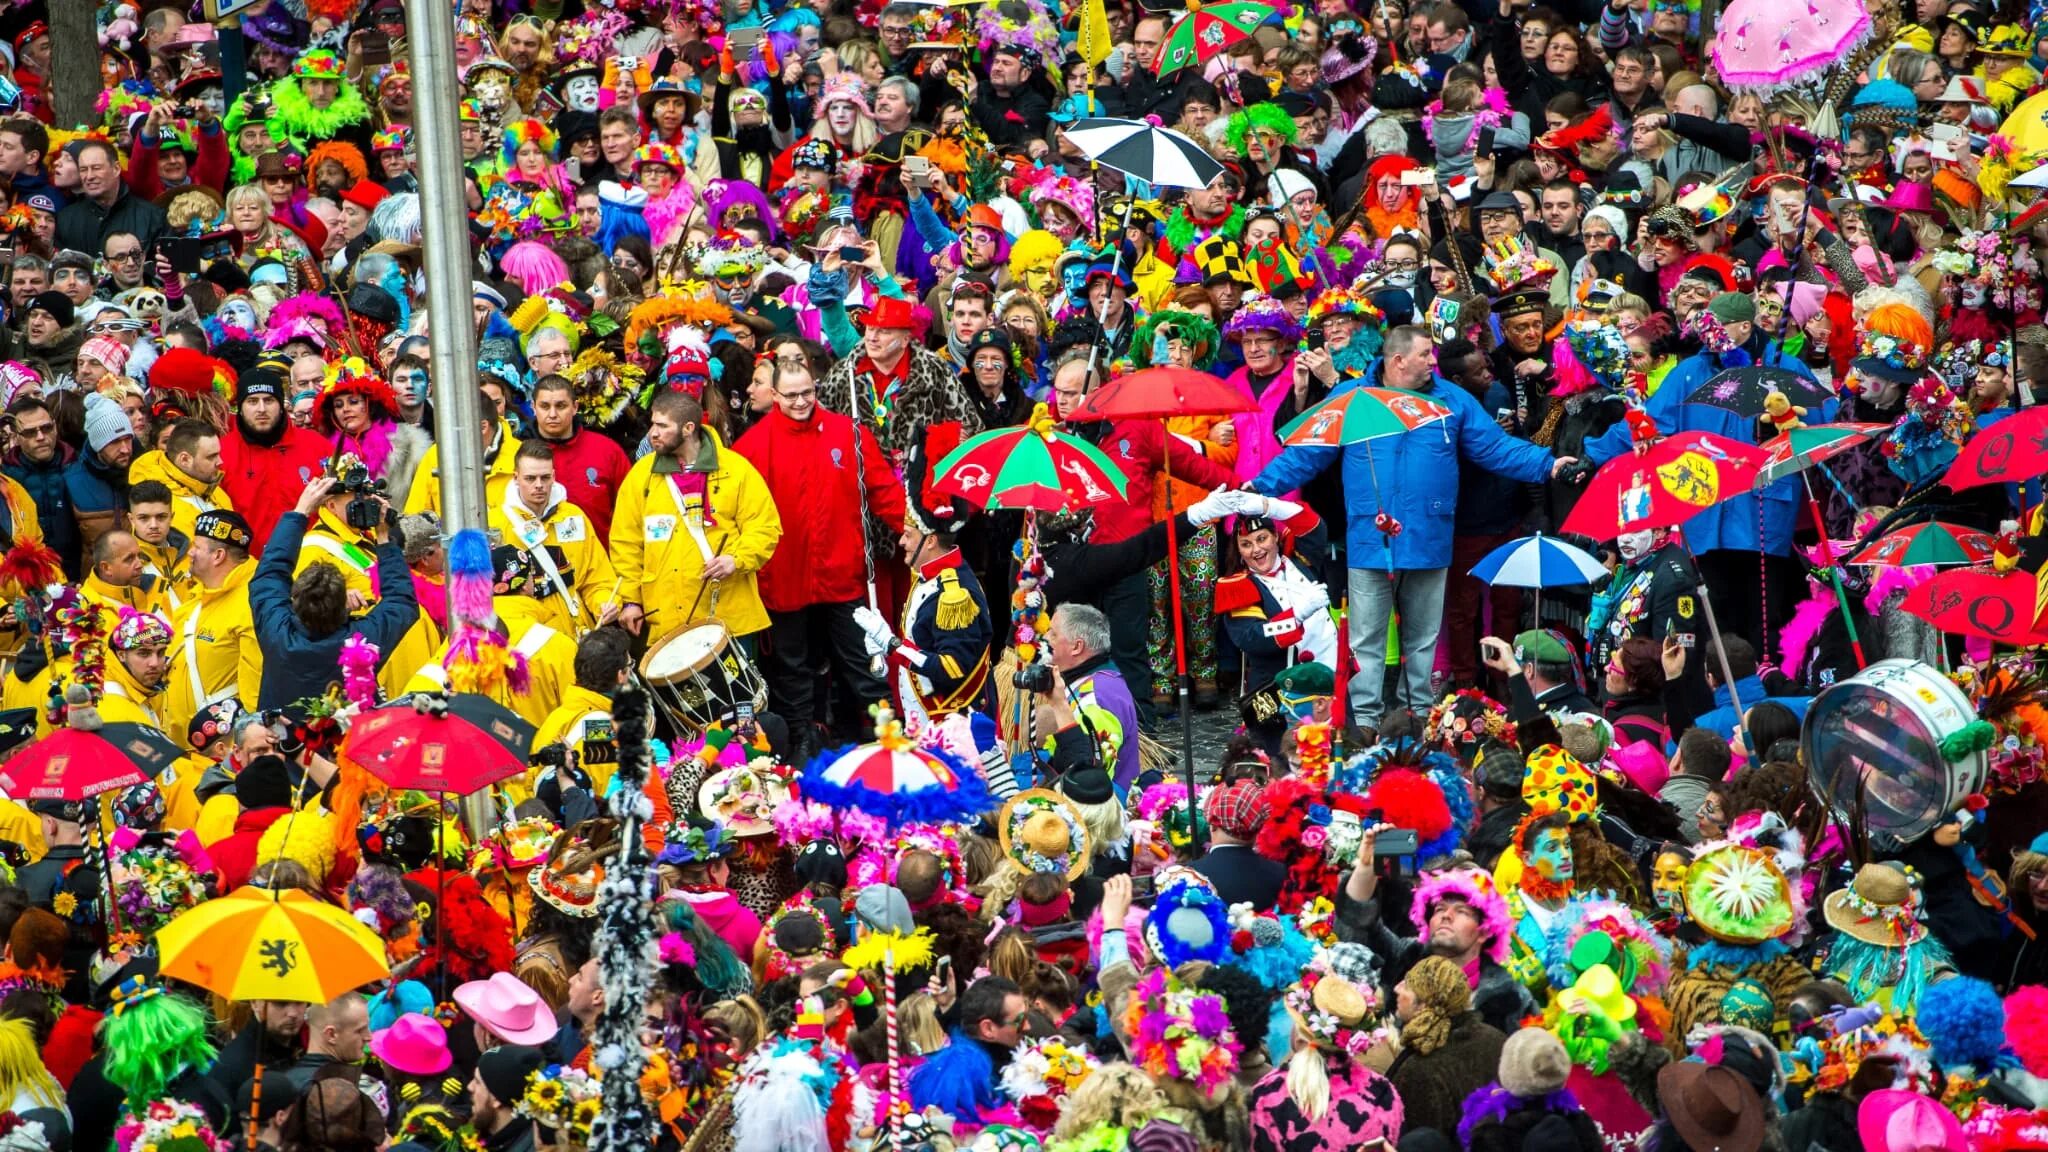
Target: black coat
(84,225)
(1242,876)
(45,486)
(297,665)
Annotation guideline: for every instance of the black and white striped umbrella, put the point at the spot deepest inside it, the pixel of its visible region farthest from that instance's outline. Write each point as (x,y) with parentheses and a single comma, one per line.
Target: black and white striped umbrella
(1161,157)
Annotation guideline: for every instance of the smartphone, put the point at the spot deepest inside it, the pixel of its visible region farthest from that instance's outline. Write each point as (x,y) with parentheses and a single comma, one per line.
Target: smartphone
(1485,145)
(852,253)
(1418,178)
(920,171)
(183,252)
(376,48)
(1317,339)
(1395,842)
(546,104)
(573,169)
(741,41)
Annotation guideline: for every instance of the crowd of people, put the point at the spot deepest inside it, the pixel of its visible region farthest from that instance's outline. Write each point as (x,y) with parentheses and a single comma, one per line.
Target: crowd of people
(1665,862)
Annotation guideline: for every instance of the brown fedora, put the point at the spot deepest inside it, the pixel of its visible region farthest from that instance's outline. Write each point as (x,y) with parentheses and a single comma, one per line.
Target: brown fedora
(1713,1108)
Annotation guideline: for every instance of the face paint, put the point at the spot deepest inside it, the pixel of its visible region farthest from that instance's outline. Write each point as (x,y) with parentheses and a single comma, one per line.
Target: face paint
(1634,545)
(580,93)
(1667,882)
(1075,279)
(1551,855)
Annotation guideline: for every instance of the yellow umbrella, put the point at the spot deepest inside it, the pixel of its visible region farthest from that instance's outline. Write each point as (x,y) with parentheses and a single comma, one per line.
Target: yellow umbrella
(255,944)
(2028,126)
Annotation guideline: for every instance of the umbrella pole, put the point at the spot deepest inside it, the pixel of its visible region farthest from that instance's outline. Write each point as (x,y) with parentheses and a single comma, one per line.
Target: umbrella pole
(1116,267)
(878,665)
(1727,674)
(1180,633)
(106,869)
(1827,555)
(441,894)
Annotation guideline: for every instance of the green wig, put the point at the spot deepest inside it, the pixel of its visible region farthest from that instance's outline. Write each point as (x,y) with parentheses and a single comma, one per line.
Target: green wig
(1268,117)
(1192,328)
(152,1038)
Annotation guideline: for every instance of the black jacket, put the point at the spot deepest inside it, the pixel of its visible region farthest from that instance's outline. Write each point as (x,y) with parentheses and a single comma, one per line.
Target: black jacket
(85,226)
(297,665)
(45,485)
(236,1064)
(1242,876)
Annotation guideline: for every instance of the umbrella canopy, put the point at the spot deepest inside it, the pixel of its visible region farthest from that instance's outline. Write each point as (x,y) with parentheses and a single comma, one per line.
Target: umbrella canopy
(1159,156)
(1997,606)
(1203,35)
(1664,485)
(1159,392)
(1029,467)
(1931,543)
(2038,178)
(1764,45)
(1743,390)
(2027,126)
(899,781)
(1538,561)
(1360,414)
(71,764)
(2013,450)
(470,744)
(258,944)
(1802,448)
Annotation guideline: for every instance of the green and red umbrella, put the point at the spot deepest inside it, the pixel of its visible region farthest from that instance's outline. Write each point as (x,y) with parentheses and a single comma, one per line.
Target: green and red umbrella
(1032,466)
(1360,414)
(1203,35)
(1931,543)
(1801,448)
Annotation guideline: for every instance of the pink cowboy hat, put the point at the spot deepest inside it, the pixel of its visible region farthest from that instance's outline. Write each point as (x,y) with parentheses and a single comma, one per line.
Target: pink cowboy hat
(506,1006)
(1909,196)
(414,1044)
(1894,1120)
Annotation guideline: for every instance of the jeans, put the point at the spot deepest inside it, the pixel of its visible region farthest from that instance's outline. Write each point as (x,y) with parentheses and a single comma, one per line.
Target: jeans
(1418,595)
(791,665)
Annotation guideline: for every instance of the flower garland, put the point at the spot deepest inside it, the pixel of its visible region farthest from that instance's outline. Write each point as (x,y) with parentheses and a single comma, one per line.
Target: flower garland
(1183,1035)
(167,1126)
(564,1099)
(1323,1029)
(627,948)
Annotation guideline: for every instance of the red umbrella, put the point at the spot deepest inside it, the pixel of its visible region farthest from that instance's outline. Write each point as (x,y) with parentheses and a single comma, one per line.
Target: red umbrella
(1155,393)
(1997,606)
(1930,543)
(2013,450)
(71,764)
(470,745)
(1665,484)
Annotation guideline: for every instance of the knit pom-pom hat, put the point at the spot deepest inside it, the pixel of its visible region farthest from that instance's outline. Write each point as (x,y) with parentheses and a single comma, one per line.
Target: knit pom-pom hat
(1534,1063)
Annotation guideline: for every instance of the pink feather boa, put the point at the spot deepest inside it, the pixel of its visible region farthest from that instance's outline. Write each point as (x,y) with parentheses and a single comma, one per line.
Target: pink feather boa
(1890,580)
(1796,637)
(667,216)
(1474,888)
(373,447)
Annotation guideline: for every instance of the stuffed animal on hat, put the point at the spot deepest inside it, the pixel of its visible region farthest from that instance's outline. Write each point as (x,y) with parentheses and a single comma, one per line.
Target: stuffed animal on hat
(1782,413)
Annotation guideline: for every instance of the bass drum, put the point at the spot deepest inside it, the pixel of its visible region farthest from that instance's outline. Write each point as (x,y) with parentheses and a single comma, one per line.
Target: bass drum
(1875,740)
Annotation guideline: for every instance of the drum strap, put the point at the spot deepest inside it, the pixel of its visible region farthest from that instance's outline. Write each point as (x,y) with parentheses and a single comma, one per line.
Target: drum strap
(533,536)
(535,639)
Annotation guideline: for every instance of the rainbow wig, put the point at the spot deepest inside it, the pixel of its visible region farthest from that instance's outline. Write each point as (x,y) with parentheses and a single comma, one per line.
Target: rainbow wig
(522,132)
(150,1040)
(533,266)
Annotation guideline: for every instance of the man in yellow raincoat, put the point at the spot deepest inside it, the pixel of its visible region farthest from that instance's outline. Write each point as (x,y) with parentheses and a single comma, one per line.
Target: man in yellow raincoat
(499,447)
(575,577)
(214,653)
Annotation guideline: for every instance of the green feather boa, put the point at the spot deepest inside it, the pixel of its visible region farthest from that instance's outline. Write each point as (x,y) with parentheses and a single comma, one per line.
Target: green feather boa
(1194,328)
(300,122)
(1183,233)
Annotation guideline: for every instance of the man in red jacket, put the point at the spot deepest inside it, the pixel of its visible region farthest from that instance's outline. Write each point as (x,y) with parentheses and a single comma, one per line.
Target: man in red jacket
(588,465)
(266,460)
(1140,450)
(818,575)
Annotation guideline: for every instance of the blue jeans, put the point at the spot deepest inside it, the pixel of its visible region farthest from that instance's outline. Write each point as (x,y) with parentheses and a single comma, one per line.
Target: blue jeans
(1375,596)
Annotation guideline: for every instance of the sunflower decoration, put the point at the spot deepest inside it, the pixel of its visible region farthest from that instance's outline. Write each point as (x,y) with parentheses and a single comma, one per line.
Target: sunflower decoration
(564,1099)
(605,386)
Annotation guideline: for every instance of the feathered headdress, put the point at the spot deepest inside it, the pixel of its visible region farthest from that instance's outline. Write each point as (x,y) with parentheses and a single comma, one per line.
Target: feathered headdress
(1474,888)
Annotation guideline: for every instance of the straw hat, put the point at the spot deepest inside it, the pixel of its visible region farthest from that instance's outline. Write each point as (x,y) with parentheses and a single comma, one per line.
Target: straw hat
(1041,831)
(1879,906)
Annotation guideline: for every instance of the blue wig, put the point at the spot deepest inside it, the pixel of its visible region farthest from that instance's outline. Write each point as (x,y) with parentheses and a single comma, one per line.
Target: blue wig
(794,17)
(1965,1020)
(957,1079)
(615,222)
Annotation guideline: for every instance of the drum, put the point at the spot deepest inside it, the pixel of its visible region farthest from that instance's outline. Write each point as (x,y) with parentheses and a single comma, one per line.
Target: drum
(1878,734)
(698,677)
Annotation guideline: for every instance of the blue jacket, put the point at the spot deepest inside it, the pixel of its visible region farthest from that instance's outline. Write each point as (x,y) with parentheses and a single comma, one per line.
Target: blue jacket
(1730,524)
(1414,477)
(1723,718)
(297,665)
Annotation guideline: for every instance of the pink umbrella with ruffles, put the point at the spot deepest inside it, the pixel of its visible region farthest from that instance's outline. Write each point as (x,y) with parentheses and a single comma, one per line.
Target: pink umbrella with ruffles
(1766,45)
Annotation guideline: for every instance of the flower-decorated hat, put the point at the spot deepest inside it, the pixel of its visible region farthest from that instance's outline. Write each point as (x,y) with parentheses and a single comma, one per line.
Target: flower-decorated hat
(1041,831)
(1738,894)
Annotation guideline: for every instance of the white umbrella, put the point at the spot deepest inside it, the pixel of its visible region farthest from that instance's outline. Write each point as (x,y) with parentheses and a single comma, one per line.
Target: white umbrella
(1159,156)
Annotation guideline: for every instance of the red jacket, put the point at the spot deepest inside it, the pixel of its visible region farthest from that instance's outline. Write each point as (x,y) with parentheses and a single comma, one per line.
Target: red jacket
(809,470)
(264,483)
(1139,449)
(234,855)
(590,468)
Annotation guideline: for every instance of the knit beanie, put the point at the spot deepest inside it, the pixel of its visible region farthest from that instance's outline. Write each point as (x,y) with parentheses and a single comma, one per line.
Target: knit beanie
(57,304)
(1441,993)
(506,1068)
(1533,1063)
(264,783)
(111,353)
(104,422)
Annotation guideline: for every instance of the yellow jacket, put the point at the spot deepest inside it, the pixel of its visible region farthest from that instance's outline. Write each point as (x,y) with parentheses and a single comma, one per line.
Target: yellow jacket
(168,572)
(214,653)
(654,548)
(584,722)
(123,701)
(217,818)
(188,496)
(425,494)
(179,785)
(146,597)
(585,569)
(550,661)
(328,538)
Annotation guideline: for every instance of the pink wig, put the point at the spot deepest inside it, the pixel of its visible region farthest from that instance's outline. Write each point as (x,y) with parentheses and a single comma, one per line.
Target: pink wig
(305,306)
(2026,1027)
(534,267)
(1475,888)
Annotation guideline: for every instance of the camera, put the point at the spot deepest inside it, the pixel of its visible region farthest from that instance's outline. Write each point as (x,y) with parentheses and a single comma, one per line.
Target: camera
(364,511)
(185,111)
(1034,678)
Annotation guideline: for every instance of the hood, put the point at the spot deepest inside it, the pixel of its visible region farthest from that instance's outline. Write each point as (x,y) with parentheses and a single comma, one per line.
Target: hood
(154,465)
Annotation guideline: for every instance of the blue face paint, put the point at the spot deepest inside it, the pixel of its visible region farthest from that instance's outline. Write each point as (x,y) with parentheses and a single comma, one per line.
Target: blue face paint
(1075,279)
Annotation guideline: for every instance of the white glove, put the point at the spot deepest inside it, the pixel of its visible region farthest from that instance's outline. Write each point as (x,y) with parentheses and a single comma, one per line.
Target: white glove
(875,629)
(1213,507)
(1312,601)
(1278,509)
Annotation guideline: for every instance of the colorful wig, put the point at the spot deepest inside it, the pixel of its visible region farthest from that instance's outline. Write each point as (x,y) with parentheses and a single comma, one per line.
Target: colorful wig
(1474,888)
(151,1040)
(1269,118)
(341,152)
(23,1074)
(533,266)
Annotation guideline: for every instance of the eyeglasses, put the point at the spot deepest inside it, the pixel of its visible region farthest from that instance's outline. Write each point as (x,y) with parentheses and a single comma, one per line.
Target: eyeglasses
(793,397)
(125,257)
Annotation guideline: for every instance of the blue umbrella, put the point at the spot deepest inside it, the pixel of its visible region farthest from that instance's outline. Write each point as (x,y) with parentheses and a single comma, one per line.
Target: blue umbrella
(1538,562)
